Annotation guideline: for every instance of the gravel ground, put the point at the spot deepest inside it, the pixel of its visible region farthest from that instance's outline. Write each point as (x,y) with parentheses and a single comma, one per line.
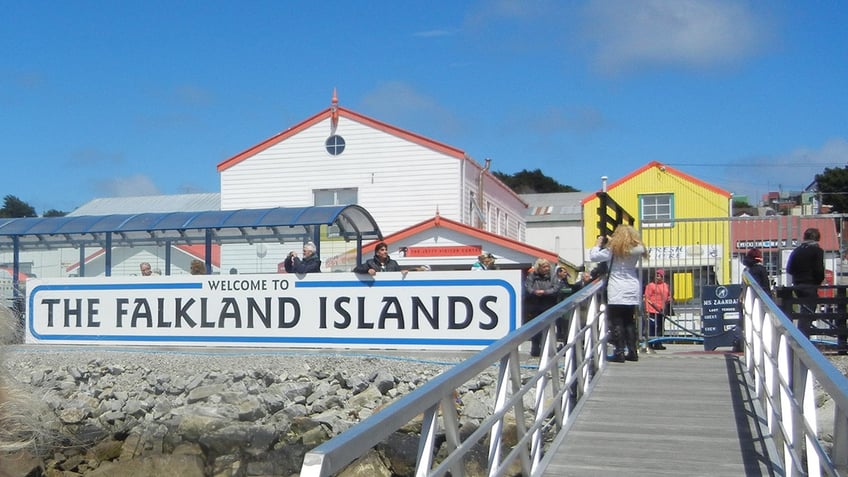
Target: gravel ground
(22,358)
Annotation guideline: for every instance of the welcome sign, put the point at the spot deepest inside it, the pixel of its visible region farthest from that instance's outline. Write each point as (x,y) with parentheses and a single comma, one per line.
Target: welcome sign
(414,310)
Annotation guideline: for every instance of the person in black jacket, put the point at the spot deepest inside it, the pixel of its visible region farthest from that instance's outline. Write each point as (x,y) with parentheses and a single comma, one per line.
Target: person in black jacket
(753,261)
(806,266)
(541,288)
(380,263)
(310,263)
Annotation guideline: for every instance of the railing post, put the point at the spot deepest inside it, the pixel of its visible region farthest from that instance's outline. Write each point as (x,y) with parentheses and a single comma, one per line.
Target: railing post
(840,440)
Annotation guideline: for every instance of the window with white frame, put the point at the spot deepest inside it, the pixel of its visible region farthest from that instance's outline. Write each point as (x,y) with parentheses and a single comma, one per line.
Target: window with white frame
(335,196)
(656,210)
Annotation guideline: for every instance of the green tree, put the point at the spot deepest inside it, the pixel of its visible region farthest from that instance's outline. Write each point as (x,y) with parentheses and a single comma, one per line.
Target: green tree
(14,207)
(54,213)
(833,185)
(532,182)
(741,202)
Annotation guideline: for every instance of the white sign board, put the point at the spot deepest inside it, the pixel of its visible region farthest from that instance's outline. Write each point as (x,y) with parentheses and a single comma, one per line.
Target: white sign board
(415,310)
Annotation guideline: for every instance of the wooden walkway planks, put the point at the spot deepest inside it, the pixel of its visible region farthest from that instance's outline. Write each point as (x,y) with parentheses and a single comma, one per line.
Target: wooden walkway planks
(680,411)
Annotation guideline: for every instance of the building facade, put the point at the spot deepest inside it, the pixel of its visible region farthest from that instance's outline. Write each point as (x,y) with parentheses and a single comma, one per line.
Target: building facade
(670,207)
(339,156)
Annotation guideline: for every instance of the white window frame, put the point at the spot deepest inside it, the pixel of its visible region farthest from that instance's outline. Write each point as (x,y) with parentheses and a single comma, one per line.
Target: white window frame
(339,196)
(656,210)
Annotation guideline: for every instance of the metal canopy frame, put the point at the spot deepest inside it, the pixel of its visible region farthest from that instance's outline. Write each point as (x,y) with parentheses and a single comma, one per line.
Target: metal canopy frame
(223,226)
(279,224)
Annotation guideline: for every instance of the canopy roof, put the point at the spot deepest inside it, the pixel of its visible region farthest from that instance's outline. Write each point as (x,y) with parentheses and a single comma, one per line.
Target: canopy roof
(220,226)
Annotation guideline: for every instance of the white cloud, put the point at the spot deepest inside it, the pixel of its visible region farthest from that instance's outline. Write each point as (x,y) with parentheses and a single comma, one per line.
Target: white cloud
(575,120)
(626,34)
(192,95)
(398,103)
(434,33)
(790,172)
(129,186)
(94,157)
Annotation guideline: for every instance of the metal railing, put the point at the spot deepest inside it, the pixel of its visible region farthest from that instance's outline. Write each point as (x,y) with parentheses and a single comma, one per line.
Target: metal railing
(565,376)
(786,368)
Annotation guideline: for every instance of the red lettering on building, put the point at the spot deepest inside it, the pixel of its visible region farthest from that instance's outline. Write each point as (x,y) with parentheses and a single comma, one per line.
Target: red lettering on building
(457,251)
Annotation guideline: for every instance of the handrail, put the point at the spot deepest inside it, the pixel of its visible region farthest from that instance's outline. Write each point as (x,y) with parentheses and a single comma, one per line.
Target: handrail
(785,366)
(565,375)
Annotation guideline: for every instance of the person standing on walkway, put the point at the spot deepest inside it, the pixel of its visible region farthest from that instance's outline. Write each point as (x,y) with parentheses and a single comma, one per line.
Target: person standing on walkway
(657,300)
(806,266)
(624,290)
(381,262)
(541,288)
(753,261)
(145,269)
(197,267)
(485,261)
(310,263)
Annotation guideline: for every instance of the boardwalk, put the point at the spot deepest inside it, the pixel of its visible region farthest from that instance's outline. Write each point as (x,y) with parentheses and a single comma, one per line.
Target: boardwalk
(676,412)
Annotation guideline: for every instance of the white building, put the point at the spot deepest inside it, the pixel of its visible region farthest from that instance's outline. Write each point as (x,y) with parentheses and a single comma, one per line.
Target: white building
(342,157)
(555,223)
(339,156)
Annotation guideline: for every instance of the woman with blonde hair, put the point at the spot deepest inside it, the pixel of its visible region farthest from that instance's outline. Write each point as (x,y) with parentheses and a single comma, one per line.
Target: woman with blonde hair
(623,251)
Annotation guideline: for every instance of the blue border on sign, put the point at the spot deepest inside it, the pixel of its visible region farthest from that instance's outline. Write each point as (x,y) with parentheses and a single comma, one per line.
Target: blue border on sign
(277,339)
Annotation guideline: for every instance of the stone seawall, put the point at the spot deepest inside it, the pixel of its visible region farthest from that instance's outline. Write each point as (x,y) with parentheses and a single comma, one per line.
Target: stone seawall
(106,412)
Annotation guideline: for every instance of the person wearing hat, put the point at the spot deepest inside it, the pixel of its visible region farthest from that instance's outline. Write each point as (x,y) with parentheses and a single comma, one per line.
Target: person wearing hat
(657,298)
(485,261)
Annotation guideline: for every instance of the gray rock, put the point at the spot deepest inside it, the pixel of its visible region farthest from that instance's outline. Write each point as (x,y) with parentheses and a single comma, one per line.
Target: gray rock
(202,393)
(369,465)
(165,465)
(251,409)
(384,381)
(368,398)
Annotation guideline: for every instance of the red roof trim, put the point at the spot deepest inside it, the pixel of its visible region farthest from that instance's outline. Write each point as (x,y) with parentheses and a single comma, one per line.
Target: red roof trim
(341,112)
(439,221)
(199,251)
(88,259)
(669,169)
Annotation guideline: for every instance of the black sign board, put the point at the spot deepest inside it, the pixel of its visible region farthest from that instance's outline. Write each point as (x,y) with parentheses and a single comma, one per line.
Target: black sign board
(721,311)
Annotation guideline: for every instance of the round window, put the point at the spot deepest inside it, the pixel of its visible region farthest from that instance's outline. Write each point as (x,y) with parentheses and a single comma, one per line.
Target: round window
(335,144)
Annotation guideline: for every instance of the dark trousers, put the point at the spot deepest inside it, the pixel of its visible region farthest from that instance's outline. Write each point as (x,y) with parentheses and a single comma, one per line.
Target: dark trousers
(806,291)
(622,325)
(536,340)
(656,324)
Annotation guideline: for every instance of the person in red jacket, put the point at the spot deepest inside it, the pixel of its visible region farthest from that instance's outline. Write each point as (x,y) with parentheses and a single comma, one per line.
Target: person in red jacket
(657,297)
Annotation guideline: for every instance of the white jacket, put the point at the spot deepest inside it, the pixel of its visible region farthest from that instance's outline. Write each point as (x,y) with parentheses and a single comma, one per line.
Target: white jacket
(623,284)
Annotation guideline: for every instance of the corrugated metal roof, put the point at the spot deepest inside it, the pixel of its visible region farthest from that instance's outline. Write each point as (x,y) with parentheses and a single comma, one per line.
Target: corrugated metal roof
(157,228)
(554,207)
(150,203)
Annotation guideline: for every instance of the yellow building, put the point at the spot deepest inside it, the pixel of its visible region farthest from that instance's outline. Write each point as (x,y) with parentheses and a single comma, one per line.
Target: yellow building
(683,220)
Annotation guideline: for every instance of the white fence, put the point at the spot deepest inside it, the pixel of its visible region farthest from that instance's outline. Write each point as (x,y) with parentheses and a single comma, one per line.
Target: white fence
(786,369)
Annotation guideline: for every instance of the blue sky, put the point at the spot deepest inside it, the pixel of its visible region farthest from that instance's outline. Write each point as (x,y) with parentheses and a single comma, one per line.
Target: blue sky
(130,98)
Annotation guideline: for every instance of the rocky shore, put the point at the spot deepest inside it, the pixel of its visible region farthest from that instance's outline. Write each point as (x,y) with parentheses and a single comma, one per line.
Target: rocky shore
(228,413)
(97,411)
